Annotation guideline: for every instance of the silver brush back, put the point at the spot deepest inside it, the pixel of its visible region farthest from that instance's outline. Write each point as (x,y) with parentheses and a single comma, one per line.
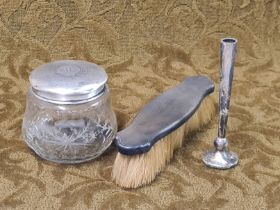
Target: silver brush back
(220,157)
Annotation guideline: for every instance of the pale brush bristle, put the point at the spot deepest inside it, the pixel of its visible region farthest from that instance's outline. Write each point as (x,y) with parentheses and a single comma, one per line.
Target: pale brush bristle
(137,170)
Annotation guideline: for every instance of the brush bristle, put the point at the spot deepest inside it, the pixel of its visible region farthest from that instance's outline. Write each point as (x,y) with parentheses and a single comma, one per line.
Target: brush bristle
(138,170)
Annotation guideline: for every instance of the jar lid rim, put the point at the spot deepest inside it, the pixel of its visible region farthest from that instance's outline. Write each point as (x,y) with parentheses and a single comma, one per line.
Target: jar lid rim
(68,80)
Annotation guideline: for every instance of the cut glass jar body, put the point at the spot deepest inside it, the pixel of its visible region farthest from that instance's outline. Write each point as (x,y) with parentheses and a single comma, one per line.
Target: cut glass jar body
(69,132)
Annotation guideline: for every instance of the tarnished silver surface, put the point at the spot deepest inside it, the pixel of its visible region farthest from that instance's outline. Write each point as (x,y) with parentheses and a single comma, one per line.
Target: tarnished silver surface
(68,81)
(220,157)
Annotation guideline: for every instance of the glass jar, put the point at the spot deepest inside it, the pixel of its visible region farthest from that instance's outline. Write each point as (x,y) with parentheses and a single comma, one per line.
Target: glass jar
(68,117)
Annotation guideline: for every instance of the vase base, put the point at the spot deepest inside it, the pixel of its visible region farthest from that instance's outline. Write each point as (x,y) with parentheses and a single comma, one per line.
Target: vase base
(220,159)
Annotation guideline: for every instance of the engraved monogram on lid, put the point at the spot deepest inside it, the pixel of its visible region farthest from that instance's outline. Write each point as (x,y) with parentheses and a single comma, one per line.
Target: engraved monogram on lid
(68,70)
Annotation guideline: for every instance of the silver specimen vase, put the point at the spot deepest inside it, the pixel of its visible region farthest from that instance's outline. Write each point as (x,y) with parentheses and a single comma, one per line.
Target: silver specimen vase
(220,157)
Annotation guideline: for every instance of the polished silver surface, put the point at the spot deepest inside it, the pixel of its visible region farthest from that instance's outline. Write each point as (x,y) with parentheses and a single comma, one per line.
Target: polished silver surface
(69,116)
(220,157)
(72,132)
(68,81)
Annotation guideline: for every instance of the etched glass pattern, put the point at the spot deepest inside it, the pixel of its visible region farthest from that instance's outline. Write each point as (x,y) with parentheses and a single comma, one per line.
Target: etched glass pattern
(69,133)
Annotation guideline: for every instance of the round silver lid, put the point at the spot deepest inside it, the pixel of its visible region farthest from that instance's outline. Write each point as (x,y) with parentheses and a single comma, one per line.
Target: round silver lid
(68,81)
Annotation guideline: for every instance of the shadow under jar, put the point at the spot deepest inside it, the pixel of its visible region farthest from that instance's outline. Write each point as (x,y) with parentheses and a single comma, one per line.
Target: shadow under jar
(68,117)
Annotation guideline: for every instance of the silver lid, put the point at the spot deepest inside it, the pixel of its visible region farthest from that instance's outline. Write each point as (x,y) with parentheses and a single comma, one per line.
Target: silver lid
(68,81)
